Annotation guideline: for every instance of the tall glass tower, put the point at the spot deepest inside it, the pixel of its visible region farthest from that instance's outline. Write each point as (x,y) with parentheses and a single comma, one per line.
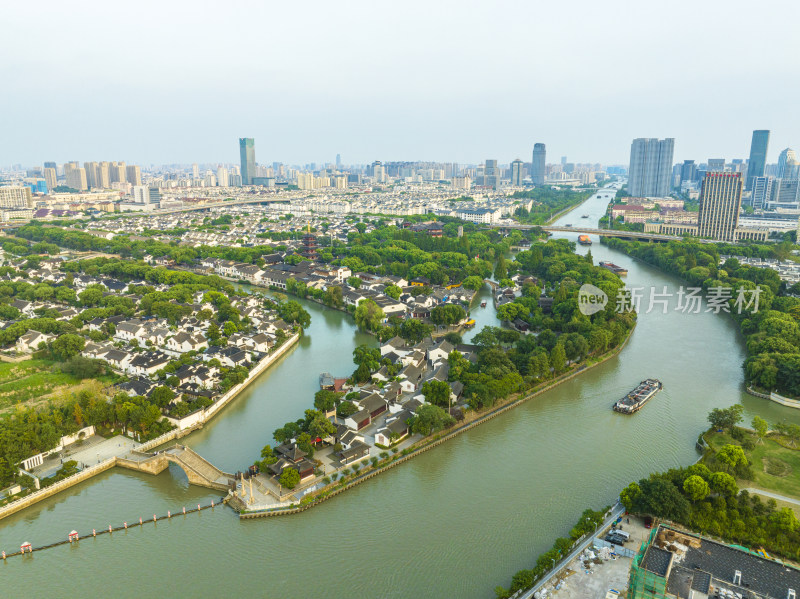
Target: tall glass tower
(247,154)
(538,164)
(758,156)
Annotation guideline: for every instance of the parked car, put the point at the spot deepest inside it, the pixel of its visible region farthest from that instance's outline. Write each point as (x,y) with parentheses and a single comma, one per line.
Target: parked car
(648,522)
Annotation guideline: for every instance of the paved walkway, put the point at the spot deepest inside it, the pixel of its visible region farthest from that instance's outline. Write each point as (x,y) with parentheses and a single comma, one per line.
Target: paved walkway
(772,495)
(616,512)
(91,451)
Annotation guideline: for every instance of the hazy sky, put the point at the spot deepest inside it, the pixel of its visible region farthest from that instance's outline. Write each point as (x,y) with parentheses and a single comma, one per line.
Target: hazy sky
(178,81)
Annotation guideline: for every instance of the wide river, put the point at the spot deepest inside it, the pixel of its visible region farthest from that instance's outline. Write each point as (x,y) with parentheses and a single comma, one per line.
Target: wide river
(454,522)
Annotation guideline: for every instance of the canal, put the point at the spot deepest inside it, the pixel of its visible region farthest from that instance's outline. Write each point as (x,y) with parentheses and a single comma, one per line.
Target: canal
(456,521)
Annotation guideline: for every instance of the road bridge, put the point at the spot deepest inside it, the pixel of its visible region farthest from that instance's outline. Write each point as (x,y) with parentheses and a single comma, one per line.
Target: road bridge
(198,470)
(603,233)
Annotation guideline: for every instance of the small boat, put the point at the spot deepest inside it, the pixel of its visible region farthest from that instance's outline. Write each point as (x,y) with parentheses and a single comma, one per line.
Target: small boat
(483,304)
(614,268)
(635,400)
(584,240)
(469,324)
(585,216)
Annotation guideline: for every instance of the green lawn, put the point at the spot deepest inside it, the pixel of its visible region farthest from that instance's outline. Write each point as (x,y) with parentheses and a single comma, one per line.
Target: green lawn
(33,380)
(776,466)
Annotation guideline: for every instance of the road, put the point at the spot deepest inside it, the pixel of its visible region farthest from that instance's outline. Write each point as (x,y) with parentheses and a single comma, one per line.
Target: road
(772,495)
(616,512)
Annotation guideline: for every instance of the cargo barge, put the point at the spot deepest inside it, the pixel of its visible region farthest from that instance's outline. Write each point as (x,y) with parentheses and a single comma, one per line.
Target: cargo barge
(614,268)
(635,400)
(584,240)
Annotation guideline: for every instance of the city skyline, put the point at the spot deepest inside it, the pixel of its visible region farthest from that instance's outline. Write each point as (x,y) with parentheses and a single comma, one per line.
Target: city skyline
(392,103)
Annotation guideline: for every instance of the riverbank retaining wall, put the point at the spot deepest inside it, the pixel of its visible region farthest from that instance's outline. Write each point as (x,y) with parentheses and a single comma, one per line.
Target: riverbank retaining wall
(780,399)
(281,511)
(62,485)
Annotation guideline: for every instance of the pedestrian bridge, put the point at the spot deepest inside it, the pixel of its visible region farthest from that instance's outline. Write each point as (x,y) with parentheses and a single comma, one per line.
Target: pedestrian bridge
(198,470)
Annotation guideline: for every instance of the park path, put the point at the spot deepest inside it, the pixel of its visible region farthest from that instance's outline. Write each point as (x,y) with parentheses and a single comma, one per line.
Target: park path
(773,495)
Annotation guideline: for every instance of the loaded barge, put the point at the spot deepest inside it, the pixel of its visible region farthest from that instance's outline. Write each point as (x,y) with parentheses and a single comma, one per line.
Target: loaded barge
(584,240)
(635,400)
(614,268)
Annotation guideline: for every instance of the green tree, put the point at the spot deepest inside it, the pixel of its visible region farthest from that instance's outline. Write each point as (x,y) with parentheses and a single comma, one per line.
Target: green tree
(558,359)
(629,495)
(368,315)
(660,498)
(90,297)
(761,427)
(696,488)
(436,393)
(393,291)
(293,312)
(501,269)
(66,346)
(325,400)
(289,478)
(430,419)
(472,282)
(414,330)
(723,483)
(732,455)
(726,418)
(354,282)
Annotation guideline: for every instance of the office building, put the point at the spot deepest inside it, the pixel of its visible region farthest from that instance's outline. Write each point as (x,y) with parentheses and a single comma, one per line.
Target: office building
(761,194)
(196,170)
(538,164)
(650,168)
(50,177)
(688,171)
(491,174)
(758,156)
(133,174)
(140,194)
(563,160)
(785,194)
(338,161)
(786,157)
(222,177)
(716,165)
(516,173)
(16,197)
(720,201)
(247,156)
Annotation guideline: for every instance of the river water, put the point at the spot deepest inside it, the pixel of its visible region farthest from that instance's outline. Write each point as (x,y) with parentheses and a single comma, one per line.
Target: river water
(456,521)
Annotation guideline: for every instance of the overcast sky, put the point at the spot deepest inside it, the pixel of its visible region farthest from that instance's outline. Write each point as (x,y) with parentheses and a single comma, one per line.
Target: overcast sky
(179,81)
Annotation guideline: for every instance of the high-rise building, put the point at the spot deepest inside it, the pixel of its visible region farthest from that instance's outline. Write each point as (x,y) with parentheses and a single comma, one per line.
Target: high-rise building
(688,171)
(222,177)
(51,165)
(720,201)
(140,194)
(91,173)
(758,155)
(16,197)
(516,173)
(338,161)
(787,156)
(104,175)
(247,156)
(195,171)
(716,165)
(538,164)
(650,168)
(50,177)
(133,174)
(785,193)
(491,174)
(118,172)
(761,193)
(75,176)
(563,160)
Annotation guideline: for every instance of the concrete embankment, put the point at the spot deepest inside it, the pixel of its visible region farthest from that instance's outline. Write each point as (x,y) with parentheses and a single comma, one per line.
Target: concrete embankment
(427,445)
(198,420)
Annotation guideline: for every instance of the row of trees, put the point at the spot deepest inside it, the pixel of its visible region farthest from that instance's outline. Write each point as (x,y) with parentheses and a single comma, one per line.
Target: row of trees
(770,325)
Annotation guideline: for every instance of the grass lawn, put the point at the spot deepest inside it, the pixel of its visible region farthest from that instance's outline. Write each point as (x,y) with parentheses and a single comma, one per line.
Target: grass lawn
(35,381)
(776,466)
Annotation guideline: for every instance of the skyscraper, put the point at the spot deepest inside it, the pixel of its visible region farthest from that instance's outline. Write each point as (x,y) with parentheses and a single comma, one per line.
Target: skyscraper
(247,155)
(787,156)
(720,201)
(761,192)
(516,173)
(338,161)
(222,176)
(688,171)
(75,176)
(196,170)
(538,164)
(758,155)
(50,177)
(650,168)
(491,174)
(716,165)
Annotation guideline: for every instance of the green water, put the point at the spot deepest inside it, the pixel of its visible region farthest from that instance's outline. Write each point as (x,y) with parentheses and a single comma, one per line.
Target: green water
(454,522)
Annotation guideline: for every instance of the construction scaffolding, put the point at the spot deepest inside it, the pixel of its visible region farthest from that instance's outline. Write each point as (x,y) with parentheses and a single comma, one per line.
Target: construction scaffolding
(642,583)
